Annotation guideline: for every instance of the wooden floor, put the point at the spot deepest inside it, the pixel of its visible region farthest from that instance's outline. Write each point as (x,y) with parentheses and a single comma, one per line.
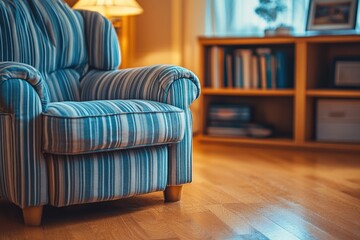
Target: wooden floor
(237,193)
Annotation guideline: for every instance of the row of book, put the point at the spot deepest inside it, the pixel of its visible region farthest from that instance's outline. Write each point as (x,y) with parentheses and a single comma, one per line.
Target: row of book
(234,121)
(261,68)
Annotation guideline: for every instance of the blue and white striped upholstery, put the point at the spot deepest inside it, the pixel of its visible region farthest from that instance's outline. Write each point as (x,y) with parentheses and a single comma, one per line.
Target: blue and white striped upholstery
(148,83)
(12,70)
(72,128)
(6,151)
(106,176)
(163,83)
(101,38)
(23,173)
(97,126)
(49,36)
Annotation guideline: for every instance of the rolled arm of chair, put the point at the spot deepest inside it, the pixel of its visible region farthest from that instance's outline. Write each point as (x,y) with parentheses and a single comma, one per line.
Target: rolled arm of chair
(16,70)
(162,83)
(23,97)
(173,85)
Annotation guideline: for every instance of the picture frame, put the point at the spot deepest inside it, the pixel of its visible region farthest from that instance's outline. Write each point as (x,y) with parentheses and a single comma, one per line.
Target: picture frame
(330,15)
(346,72)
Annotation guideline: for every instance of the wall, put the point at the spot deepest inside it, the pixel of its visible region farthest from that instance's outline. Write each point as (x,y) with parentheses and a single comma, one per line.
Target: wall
(157,33)
(193,27)
(167,32)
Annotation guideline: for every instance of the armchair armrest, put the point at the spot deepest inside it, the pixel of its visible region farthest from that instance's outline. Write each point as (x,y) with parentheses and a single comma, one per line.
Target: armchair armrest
(162,83)
(23,97)
(15,70)
(173,85)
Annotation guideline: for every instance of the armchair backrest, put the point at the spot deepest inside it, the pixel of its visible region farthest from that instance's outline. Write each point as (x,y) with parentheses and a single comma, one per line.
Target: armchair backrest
(50,36)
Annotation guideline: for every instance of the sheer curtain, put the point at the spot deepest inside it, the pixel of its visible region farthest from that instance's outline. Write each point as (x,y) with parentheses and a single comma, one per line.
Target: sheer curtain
(238,17)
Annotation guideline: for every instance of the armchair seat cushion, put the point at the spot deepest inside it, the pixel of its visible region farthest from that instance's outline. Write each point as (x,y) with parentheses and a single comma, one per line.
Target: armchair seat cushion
(95,126)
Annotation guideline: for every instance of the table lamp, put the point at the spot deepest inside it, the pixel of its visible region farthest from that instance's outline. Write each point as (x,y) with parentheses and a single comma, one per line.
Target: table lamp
(116,11)
(110,8)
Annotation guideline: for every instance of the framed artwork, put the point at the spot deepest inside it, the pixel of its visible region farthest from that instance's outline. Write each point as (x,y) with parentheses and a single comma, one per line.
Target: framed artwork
(347,72)
(330,15)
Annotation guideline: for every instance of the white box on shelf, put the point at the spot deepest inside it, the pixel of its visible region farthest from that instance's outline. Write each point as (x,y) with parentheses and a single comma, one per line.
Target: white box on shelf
(338,120)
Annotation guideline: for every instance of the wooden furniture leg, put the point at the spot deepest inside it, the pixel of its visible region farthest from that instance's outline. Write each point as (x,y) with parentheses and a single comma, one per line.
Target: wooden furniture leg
(32,215)
(173,193)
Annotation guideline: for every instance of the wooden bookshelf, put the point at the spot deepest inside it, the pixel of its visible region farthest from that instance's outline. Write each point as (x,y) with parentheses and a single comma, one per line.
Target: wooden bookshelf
(292,110)
(245,92)
(281,142)
(333,93)
(268,141)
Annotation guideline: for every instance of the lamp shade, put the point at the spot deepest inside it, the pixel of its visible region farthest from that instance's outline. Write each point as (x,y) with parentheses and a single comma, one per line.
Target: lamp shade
(110,8)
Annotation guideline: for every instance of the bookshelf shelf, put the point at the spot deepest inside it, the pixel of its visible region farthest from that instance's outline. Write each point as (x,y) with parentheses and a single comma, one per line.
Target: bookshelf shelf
(249,92)
(333,93)
(281,142)
(244,140)
(246,40)
(288,106)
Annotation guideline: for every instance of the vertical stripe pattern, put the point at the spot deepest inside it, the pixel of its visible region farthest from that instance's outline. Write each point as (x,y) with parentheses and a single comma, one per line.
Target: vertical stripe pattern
(180,154)
(147,83)
(173,85)
(54,81)
(52,57)
(102,41)
(13,70)
(25,171)
(83,127)
(106,176)
(6,153)
(47,35)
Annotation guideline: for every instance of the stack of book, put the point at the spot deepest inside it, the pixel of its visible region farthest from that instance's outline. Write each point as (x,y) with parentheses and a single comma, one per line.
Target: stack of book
(228,120)
(234,121)
(261,68)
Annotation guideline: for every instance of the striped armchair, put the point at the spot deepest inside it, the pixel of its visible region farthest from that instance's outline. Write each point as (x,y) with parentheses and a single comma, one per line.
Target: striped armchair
(73,128)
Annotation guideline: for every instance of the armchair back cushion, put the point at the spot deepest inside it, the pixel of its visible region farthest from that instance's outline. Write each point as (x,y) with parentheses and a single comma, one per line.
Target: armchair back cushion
(50,36)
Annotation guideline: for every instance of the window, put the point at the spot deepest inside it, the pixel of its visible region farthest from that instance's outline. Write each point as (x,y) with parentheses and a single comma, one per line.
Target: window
(238,17)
